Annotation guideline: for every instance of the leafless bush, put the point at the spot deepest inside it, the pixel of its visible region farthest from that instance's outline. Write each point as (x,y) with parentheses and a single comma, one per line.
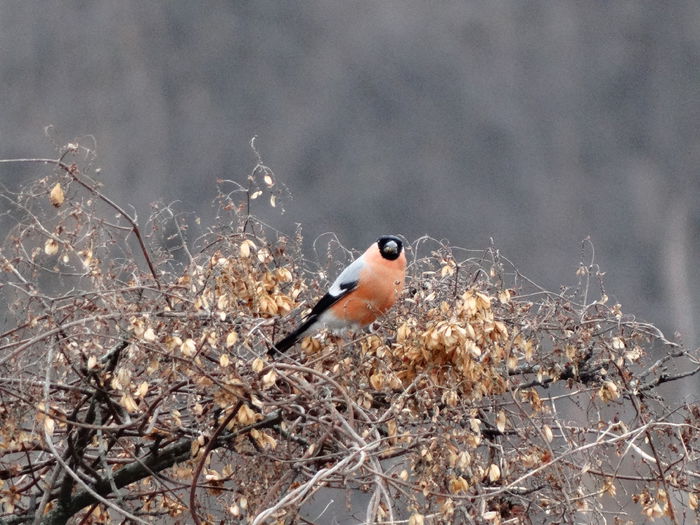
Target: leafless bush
(135,381)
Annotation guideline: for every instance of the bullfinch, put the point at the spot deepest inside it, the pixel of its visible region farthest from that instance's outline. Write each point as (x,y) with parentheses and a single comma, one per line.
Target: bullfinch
(366,289)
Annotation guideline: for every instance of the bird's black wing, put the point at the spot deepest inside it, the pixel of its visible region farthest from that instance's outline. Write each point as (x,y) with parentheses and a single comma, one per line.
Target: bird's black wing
(321,306)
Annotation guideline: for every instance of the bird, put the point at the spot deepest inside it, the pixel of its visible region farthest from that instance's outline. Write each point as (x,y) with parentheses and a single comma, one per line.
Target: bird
(362,292)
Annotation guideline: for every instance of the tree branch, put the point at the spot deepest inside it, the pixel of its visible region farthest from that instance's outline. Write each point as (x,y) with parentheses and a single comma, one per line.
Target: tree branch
(146,467)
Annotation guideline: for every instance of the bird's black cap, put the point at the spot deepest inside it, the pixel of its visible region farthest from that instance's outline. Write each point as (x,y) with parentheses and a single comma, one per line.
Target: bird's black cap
(390,247)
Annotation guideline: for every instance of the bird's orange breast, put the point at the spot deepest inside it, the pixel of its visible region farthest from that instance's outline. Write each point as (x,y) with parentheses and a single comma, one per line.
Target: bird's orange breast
(380,283)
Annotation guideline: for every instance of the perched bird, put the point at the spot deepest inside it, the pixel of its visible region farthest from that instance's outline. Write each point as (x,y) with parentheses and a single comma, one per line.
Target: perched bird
(366,289)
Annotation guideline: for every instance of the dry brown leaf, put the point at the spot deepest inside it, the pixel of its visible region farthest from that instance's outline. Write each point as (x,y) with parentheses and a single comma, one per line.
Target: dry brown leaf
(188,348)
(50,247)
(149,335)
(56,197)
(269,379)
(49,425)
(416,519)
(246,416)
(458,484)
(548,433)
(231,339)
(142,390)
(257,365)
(501,421)
(128,403)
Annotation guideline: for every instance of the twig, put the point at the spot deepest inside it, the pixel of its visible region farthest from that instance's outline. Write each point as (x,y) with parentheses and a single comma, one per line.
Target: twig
(63,511)
(72,170)
(205,454)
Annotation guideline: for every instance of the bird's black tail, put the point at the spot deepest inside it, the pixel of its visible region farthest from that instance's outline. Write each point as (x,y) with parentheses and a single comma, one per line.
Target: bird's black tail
(285,344)
(289,341)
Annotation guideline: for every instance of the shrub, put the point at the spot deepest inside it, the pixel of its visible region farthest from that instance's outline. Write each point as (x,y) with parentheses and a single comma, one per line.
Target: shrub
(135,381)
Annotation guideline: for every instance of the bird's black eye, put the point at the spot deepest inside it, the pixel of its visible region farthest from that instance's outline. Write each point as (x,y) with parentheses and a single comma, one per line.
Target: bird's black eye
(390,247)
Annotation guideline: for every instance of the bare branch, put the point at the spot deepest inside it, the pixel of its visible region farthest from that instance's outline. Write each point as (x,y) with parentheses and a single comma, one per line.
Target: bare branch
(481,397)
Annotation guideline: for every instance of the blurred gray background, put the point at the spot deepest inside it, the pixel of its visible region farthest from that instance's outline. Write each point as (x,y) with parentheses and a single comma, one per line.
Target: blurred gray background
(536,123)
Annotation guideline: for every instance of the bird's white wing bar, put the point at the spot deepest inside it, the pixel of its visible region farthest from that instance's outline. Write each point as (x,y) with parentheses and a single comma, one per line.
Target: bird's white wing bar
(344,284)
(347,278)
